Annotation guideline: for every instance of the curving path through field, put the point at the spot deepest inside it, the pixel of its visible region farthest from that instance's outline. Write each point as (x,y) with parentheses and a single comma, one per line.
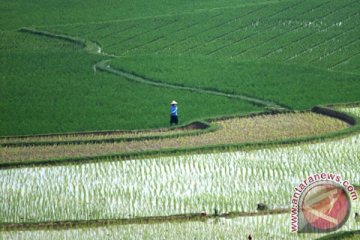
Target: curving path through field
(267,127)
(95,48)
(104,66)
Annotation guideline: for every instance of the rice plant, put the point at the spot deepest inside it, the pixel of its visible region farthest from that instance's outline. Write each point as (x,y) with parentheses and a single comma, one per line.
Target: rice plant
(259,227)
(231,131)
(233,181)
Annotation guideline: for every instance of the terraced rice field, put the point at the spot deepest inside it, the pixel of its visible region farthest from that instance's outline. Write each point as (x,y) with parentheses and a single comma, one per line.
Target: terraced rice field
(212,183)
(49,86)
(228,182)
(211,229)
(314,32)
(98,136)
(75,72)
(352,110)
(232,131)
(295,53)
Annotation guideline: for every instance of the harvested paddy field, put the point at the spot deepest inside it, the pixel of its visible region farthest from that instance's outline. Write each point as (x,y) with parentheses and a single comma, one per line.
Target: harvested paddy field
(233,131)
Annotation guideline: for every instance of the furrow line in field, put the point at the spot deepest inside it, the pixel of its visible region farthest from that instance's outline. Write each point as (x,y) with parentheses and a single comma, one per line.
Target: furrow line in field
(248,23)
(315,8)
(215,27)
(285,9)
(311,48)
(284,46)
(226,34)
(182,28)
(72,28)
(306,36)
(344,61)
(274,37)
(117,32)
(184,13)
(94,30)
(142,33)
(227,45)
(183,39)
(146,43)
(321,58)
(266,41)
(315,32)
(237,41)
(338,9)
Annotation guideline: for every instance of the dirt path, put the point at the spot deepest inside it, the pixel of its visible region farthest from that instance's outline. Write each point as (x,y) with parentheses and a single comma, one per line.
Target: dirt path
(104,66)
(203,216)
(94,48)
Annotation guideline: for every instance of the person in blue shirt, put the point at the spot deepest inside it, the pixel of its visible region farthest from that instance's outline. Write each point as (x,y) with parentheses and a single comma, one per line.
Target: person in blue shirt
(173,113)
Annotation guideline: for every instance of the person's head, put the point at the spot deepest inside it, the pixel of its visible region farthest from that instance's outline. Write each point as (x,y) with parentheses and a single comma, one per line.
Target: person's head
(173,103)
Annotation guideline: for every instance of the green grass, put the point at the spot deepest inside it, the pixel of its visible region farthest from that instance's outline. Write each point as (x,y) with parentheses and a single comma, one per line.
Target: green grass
(298,87)
(49,85)
(20,13)
(296,53)
(313,32)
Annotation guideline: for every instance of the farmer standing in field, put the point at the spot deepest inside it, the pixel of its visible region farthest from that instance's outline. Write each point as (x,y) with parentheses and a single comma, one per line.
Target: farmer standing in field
(173,113)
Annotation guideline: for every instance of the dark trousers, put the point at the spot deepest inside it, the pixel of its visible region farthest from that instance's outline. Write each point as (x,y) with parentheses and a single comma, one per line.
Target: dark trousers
(174,120)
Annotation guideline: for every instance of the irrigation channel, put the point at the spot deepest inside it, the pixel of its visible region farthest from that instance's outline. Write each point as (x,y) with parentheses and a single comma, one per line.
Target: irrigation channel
(212,195)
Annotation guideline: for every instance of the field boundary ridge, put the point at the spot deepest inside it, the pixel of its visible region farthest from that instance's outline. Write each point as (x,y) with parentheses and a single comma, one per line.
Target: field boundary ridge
(202,216)
(245,146)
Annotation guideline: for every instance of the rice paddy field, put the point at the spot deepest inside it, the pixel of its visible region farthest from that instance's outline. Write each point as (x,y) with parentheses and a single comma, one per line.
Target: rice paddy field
(268,94)
(228,182)
(211,229)
(231,131)
(296,53)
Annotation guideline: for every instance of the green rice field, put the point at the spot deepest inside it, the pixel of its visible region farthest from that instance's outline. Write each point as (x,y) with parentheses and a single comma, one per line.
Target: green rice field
(267,92)
(297,54)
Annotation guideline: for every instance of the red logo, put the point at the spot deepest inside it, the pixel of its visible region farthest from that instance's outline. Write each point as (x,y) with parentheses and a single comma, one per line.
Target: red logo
(325,207)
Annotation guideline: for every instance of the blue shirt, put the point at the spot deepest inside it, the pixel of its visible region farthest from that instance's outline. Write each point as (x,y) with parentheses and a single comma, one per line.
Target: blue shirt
(173,110)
